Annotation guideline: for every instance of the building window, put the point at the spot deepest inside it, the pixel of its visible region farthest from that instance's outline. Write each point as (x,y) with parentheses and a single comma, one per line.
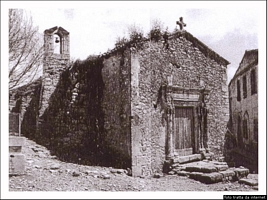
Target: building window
(253,82)
(239,133)
(245,126)
(244,87)
(255,129)
(238,91)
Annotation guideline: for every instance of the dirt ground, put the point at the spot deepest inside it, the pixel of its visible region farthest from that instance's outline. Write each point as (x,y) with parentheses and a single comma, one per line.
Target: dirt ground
(46,173)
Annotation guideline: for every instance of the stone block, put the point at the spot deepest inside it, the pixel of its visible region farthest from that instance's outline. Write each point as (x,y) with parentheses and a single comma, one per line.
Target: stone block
(195,175)
(14,124)
(16,164)
(250,182)
(16,141)
(195,157)
(193,168)
(208,169)
(241,173)
(182,159)
(221,167)
(189,158)
(227,173)
(15,149)
(214,177)
(182,173)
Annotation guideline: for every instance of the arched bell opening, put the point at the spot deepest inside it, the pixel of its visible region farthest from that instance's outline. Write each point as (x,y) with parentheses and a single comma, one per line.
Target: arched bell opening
(57,44)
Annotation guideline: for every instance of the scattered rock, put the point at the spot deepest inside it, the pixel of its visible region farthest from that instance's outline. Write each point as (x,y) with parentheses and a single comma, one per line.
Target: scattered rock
(120,171)
(75,174)
(113,171)
(105,176)
(53,157)
(156,175)
(37,166)
(42,155)
(171,172)
(34,149)
(55,166)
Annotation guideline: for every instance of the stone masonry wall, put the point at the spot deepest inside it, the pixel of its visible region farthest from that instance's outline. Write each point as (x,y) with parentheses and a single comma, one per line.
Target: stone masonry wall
(25,100)
(116,104)
(72,124)
(184,65)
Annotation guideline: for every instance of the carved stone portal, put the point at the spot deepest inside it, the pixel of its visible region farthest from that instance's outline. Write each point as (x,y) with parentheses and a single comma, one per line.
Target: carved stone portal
(187,124)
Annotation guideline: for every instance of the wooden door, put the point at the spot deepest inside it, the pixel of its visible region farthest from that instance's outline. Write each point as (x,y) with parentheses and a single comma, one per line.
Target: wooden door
(183,131)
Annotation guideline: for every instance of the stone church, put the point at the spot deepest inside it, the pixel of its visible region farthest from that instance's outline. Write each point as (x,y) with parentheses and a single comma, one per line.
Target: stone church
(138,106)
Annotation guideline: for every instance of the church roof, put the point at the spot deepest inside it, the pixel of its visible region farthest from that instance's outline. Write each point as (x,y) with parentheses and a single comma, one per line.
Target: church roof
(56,30)
(201,46)
(249,60)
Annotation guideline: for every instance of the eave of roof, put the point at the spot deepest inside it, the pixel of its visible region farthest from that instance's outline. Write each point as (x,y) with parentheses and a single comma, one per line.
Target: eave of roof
(201,46)
(247,53)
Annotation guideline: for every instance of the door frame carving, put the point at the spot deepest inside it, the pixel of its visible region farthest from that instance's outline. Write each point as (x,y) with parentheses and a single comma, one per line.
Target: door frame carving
(176,96)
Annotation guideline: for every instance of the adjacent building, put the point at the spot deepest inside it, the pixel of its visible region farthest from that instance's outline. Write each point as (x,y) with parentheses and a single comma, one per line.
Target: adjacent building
(243,104)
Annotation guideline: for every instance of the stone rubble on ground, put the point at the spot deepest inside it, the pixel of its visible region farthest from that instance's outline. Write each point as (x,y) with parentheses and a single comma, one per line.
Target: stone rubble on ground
(50,174)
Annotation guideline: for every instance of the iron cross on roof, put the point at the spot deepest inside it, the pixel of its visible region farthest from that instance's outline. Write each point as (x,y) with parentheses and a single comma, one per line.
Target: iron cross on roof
(181,23)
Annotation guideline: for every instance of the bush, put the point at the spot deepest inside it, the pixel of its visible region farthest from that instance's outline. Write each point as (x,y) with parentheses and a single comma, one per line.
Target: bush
(156,31)
(135,33)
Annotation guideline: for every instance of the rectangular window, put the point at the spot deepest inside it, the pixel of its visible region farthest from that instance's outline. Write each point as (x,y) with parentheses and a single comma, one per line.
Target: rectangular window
(255,129)
(244,87)
(245,128)
(253,82)
(238,91)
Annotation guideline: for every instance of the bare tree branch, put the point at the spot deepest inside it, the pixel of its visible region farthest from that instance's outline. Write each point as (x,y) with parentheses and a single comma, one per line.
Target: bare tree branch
(25,48)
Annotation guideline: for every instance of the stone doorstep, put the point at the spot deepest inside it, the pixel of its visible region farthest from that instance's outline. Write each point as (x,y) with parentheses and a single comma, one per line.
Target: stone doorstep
(183,173)
(16,164)
(247,181)
(185,159)
(201,168)
(213,177)
(241,173)
(16,141)
(195,175)
(221,167)
(227,173)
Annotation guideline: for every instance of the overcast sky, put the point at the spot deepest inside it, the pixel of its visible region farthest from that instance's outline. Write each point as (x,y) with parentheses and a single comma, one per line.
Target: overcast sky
(227,28)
